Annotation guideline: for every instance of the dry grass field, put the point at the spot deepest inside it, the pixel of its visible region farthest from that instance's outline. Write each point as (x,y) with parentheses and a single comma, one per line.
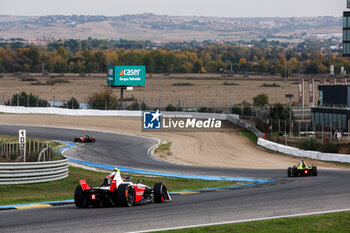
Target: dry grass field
(202,89)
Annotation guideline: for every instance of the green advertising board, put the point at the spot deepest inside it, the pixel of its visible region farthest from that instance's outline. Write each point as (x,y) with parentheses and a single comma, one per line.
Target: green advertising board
(126,75)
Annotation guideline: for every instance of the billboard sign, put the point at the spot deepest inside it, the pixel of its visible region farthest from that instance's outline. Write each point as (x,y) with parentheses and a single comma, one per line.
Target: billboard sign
(126,75)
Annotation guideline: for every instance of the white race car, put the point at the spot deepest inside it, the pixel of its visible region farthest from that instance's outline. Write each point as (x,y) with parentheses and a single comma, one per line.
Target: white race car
(118,191)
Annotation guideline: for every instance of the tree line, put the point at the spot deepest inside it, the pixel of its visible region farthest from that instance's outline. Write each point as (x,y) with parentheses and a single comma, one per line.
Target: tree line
(59,58)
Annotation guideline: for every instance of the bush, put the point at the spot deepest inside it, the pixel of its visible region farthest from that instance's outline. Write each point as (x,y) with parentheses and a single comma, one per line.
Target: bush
(23,97)
(230,84)
(309,144)
(183,84)
(270,85)
(103,99)
(247,111)
(205,109)
(72,103)
(237,110)
(137,106)
(29,79)
(132,98)
(58,80)
(170,108)
(329,147)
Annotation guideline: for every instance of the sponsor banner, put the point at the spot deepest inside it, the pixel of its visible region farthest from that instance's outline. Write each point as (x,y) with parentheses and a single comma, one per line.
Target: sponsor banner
(153,120)
(126,75)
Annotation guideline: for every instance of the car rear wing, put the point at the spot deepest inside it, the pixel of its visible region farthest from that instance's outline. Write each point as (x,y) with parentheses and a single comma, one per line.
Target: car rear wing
(84,185)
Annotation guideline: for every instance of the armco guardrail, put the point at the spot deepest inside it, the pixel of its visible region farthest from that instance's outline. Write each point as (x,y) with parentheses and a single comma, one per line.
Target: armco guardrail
(33,172)
(245,125)
(303,153)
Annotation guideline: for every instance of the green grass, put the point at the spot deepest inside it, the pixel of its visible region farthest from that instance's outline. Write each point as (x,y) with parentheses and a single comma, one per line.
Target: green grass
(335,222)
(64,189)
(163,147)
(249,135)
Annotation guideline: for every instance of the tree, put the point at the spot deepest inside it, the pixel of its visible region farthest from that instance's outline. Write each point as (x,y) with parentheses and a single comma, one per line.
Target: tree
(242,63)
(278,111)
(62,52)
(261,100)
(262,63)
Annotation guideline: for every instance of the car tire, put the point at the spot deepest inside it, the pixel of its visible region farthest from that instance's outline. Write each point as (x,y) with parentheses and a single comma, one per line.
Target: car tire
(314,171)
(160,192)
(75,139)
(294,172)
(289,172)
(125,195)
(79,197)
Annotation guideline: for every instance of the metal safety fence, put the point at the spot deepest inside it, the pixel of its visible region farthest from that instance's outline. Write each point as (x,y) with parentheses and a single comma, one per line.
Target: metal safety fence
(33,172)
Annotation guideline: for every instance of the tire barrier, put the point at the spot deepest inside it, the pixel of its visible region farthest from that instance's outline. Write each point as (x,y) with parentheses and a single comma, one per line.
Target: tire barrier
(33,172)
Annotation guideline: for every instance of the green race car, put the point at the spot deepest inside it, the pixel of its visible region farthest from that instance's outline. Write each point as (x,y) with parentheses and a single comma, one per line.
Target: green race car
(302,170)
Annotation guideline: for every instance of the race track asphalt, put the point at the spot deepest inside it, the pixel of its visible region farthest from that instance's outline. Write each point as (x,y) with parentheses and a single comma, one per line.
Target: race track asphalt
(330,190)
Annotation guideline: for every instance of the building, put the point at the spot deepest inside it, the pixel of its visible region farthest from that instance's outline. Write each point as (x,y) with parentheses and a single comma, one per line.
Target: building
(346,33)
(333,108)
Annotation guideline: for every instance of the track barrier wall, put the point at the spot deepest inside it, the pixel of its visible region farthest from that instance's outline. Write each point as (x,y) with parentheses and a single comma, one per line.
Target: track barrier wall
(303,153)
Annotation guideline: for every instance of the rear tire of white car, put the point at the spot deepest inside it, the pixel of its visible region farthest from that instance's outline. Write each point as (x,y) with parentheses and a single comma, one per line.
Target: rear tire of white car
(160,192)
(125,195)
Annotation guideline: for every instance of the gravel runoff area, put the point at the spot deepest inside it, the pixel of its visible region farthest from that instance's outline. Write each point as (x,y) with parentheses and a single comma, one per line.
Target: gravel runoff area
(226,148)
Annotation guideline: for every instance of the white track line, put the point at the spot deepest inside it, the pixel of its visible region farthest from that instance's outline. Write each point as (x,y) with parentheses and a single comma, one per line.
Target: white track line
(243,221)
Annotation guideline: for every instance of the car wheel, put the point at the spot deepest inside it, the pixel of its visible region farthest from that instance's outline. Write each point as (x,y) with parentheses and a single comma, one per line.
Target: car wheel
(294,172)
(314,171)
(125,195)
(160,192)
(75,139)
(289,172)
(79,197)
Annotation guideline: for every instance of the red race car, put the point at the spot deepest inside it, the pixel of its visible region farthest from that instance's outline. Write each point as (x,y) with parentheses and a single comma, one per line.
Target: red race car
(85,138)
(118,191)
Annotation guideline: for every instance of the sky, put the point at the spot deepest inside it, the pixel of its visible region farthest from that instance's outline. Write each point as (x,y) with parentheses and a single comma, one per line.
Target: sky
(220,8)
